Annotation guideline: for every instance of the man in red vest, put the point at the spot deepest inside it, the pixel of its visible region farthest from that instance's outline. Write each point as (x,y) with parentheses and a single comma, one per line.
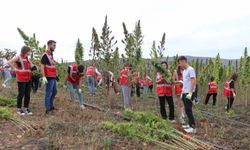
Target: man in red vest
(73,80)
(91,74)
(22,66)
(212,90)
(48,70)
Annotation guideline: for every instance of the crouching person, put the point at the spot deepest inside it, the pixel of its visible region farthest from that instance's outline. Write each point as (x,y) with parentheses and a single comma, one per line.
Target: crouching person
(73,80)
(22,66)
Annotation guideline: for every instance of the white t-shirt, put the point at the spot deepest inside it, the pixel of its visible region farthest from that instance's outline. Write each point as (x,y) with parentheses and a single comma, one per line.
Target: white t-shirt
(188,74)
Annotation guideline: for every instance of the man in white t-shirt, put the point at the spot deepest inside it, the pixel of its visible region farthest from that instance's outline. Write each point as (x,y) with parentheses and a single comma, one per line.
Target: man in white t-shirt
(189,84)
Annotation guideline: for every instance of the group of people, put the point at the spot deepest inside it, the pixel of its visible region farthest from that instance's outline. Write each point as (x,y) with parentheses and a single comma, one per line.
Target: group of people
(183,79)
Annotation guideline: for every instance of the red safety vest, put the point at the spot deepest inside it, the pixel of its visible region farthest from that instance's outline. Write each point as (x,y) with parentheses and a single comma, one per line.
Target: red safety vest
(124,78)
(99,77)
(150,83)
(213,87)
(91,71)
(178,87)
(227,91)
(164,88)
(23,72)
(50,69)
(136,77)
(72,76)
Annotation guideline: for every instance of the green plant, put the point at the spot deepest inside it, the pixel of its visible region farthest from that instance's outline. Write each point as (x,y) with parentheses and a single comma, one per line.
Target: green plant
(5,113)
(7,102)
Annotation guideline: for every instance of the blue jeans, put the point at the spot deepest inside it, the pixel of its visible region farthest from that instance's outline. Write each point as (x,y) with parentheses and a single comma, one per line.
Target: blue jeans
(126,93)
(91,84)
(145,89)
(71,89)
(50,94)
(7,75)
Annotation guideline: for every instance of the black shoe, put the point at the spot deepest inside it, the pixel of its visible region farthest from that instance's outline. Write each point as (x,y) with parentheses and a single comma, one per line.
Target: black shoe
(20,112)
(53,108)
(28,112)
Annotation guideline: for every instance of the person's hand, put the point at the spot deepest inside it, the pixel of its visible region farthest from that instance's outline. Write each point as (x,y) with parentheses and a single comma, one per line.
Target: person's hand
(80,90)
(180,81)
(234,94)
(44,80)
(189,96)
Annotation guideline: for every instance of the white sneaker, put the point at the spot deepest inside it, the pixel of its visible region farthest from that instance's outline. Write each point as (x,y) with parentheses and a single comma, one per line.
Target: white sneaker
(82,107)
(190,130)
(28,112)
(172,121)
(20,112)
(182,121)
(4,85)
(185,126)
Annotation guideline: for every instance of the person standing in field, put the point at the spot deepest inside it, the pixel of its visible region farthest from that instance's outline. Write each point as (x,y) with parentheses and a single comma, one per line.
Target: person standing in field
(189,84)
(22,66)
(91,74)
(137,83)
(164,92)
(73,80)
(229,91)
(178,85)
(7,73)
(48,71)
(35,78)
(125,82)
(146,80)
(212,91)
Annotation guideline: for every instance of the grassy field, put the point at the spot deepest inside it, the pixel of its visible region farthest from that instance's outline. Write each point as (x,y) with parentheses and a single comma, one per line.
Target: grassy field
(73,128)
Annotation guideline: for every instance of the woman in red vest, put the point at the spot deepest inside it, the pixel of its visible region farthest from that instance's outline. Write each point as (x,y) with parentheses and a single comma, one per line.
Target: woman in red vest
(229,90)
(125,82)
(164,91)
(73,80)
(22,66)
(137,83)
(212,90)
(178,85)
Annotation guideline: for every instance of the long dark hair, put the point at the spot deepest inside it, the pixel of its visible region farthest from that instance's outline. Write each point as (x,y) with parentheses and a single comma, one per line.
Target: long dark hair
(179,70)
(234,77)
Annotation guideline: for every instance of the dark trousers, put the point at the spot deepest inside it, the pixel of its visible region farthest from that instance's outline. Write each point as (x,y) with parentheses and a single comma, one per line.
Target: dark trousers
(230,102)
(208,97)
(188,109)
(35,83)
(137,89)
(170,102)
(24,89)
(151,88)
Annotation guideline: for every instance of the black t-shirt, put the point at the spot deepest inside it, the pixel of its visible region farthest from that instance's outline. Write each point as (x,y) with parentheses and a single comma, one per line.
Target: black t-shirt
(231,84)
(45,61)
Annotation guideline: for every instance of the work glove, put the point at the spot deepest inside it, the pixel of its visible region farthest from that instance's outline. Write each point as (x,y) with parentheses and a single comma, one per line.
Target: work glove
(234,94)
(180,81)
(189,96)
(44,80)
(80,90)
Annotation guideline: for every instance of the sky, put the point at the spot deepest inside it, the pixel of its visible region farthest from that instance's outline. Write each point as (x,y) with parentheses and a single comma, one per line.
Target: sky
(193,27)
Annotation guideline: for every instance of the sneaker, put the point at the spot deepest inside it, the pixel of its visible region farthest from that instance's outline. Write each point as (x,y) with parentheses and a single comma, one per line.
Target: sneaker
(172,121)
(190,130)
(4,85)
(53,108)
(20,112)
(28,112)
(82,107)
(185,126)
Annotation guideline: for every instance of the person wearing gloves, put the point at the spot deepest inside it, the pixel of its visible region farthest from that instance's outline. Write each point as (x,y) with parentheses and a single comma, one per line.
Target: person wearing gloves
(7,73)
(48,71)
(178,85)
(73,80)
(91,74)
(22,66)
(146,81)
(212,91)
(164,91)
(229,91)
(110,81)
(189,84)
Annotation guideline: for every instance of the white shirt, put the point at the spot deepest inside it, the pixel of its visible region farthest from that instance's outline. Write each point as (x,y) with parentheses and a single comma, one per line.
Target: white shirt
(188,74)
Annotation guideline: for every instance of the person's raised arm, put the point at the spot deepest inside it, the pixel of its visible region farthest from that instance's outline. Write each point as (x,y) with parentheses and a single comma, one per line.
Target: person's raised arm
(11,62)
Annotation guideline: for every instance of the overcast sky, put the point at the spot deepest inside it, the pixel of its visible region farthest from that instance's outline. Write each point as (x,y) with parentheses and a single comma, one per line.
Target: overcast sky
(192,27)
